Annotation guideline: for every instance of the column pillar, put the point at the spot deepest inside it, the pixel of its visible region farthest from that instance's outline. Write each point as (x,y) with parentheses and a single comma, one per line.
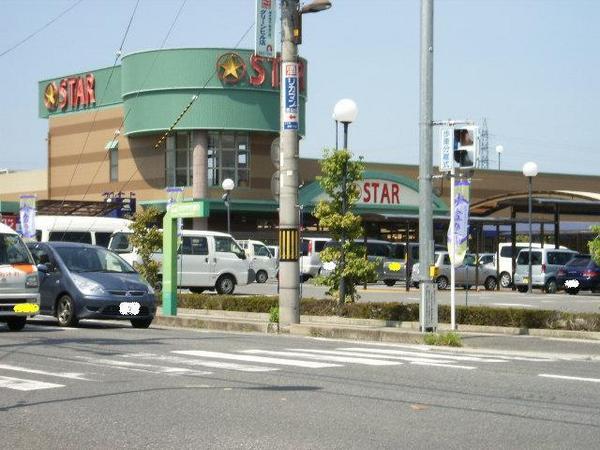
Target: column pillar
(200,173)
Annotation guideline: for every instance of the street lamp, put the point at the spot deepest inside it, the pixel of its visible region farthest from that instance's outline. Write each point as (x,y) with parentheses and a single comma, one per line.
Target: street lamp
(530,170)
(344,111)
(227,185)
(499,150)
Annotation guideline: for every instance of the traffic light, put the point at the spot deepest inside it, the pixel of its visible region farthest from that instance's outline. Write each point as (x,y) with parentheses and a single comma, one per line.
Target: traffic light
(466,146)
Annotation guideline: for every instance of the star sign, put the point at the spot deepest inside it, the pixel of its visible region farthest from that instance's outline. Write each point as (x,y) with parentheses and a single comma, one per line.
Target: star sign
(50,96)
(231,68)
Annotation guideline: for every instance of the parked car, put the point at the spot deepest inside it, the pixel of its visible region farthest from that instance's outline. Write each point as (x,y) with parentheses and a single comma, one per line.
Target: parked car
(310,262)
(466,274)
(506,252)
(545,263)
(579,274)
(261,260)
(207,260)
(87,230)
(82,281)
(487,259)
(19,296)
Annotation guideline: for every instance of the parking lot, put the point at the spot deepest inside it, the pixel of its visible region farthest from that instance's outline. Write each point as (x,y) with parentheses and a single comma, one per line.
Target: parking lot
(583,302)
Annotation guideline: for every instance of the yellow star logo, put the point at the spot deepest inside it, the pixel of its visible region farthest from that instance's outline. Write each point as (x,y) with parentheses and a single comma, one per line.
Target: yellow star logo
(231,68)
(51,96)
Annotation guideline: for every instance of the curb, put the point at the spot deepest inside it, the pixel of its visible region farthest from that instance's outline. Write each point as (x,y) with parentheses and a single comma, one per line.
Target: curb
(345,328)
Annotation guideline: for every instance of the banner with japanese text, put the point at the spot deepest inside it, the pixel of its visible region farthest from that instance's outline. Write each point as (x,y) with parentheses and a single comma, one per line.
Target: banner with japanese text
(265,27)
(27,215)
(458,241)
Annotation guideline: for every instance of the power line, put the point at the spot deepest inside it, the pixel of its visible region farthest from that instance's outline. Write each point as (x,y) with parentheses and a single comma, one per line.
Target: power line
(26,38)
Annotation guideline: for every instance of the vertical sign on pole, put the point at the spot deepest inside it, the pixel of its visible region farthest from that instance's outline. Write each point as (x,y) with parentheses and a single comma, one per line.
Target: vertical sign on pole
(27,215)
(265,28)
(446,149)
(290,84)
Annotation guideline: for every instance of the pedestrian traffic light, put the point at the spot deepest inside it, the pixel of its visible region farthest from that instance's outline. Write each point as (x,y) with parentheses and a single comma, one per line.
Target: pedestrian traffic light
(466,146)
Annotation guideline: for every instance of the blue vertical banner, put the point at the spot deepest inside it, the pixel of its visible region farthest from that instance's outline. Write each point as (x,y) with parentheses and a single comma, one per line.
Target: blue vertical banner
(458,241)
(27,215)
(290,86)
(266,11)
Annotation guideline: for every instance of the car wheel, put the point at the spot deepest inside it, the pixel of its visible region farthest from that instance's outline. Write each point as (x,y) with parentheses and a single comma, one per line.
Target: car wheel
(442,283)
(505,280)
(573,291)
(490,284)
(16,323)
(261,276)
(389,282)
(65,312)
(522,289)
(225,285)
(551,287)
(141,323)
(196,290)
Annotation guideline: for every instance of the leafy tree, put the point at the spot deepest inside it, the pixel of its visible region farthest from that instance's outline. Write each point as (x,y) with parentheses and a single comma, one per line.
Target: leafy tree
(338,167)
(147,239)
(594,244)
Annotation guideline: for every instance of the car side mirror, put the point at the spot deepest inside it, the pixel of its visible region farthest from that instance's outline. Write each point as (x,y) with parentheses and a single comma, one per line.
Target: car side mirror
(42,268)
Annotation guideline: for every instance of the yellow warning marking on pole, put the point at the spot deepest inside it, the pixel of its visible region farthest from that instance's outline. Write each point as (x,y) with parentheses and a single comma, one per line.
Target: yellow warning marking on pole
(289,244)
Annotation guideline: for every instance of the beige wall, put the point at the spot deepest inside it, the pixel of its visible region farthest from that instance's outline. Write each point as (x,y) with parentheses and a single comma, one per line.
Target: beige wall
(12,185)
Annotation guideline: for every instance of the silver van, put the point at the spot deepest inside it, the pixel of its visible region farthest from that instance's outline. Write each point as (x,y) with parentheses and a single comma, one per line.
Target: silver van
(545,263)
(19,295)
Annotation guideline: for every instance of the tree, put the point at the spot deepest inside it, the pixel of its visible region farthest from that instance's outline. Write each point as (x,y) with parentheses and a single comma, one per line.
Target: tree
(594,244)
(147,239)
(337,168)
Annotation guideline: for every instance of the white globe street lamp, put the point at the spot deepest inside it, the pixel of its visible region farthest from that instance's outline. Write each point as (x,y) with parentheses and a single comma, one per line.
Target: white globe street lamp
(499,150)
(530,170)
(228,185)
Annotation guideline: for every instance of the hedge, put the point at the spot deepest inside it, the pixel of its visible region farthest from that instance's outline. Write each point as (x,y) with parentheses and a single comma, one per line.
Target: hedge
(401,312)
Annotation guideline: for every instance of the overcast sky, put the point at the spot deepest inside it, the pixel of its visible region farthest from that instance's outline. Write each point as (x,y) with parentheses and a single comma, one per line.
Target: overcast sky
(530,67)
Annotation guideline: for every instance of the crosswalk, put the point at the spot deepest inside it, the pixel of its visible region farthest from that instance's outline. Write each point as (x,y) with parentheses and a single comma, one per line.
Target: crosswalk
(203,363)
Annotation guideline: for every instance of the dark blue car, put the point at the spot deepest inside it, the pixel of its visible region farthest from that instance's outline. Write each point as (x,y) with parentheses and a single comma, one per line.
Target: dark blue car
(580,274)
(81,281)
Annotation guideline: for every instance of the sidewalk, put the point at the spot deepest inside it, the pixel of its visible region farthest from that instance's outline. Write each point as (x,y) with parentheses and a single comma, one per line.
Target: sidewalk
(475,337)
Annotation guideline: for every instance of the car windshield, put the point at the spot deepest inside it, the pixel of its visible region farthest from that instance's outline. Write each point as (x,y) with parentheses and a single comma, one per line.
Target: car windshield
(92,259)
(13,250)
(579,261)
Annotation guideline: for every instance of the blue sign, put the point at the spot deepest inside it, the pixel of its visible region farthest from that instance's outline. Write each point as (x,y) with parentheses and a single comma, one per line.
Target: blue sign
(290,84)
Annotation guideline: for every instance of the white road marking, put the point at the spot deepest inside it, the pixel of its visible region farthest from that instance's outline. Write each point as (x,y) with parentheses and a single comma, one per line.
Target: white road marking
(361,354)
(69,375)
(452,366)
(127,365)
(259,359)
(198,362)
(20,384)
(566,377)
(341,359)
(427,355)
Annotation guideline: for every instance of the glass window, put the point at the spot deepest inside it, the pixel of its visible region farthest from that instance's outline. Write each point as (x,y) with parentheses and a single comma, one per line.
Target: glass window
(228,157)
(319,245)
(102,239)
(92,259)
(228,245)
(446,261)
(398,251)
(71,236)
(261,250)
(40,256)
(120,243)
(192,245)
(536,258)
(13,250)
(114,164)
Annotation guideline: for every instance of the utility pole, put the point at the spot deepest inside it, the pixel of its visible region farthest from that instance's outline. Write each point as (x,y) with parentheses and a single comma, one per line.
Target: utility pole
(289,241)
(428,310)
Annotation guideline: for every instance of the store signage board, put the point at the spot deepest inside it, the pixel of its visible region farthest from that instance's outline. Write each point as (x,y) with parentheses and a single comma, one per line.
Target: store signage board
(290,118)
(446,148)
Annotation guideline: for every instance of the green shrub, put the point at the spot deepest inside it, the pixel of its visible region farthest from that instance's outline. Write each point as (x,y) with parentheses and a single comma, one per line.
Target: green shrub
(274,314)
(449,339)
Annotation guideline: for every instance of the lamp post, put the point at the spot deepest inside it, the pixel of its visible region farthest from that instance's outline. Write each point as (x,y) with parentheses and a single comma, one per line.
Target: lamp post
(289,241)
(228,185)
(344,111)
(530,170)
(499,150)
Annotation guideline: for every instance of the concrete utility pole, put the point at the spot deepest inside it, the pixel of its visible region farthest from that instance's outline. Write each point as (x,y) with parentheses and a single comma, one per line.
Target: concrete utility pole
(428,310)
(289,269)
(200,174)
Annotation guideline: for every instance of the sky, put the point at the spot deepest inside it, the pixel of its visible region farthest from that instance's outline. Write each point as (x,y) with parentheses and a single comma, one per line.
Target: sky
(530,68)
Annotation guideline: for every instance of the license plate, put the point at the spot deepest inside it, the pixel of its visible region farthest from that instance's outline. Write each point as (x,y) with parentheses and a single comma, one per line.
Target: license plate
(525,280)
(395,267)
(572,283)
(129,308)
(26,308)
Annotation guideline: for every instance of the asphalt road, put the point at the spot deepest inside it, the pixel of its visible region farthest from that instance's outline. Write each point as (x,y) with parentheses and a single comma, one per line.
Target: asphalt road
(583,302)
(112,386)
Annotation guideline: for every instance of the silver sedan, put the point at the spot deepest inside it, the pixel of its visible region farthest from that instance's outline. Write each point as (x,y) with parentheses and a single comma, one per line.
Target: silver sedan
(466,274)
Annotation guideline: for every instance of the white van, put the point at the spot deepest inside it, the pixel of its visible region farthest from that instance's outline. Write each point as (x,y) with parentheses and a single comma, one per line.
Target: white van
(310,262)
(206,260)
(505,251)
(19,295)
(95,230)
(262,261)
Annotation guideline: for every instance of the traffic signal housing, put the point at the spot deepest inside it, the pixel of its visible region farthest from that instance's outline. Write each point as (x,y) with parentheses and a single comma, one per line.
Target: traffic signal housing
(466,146)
